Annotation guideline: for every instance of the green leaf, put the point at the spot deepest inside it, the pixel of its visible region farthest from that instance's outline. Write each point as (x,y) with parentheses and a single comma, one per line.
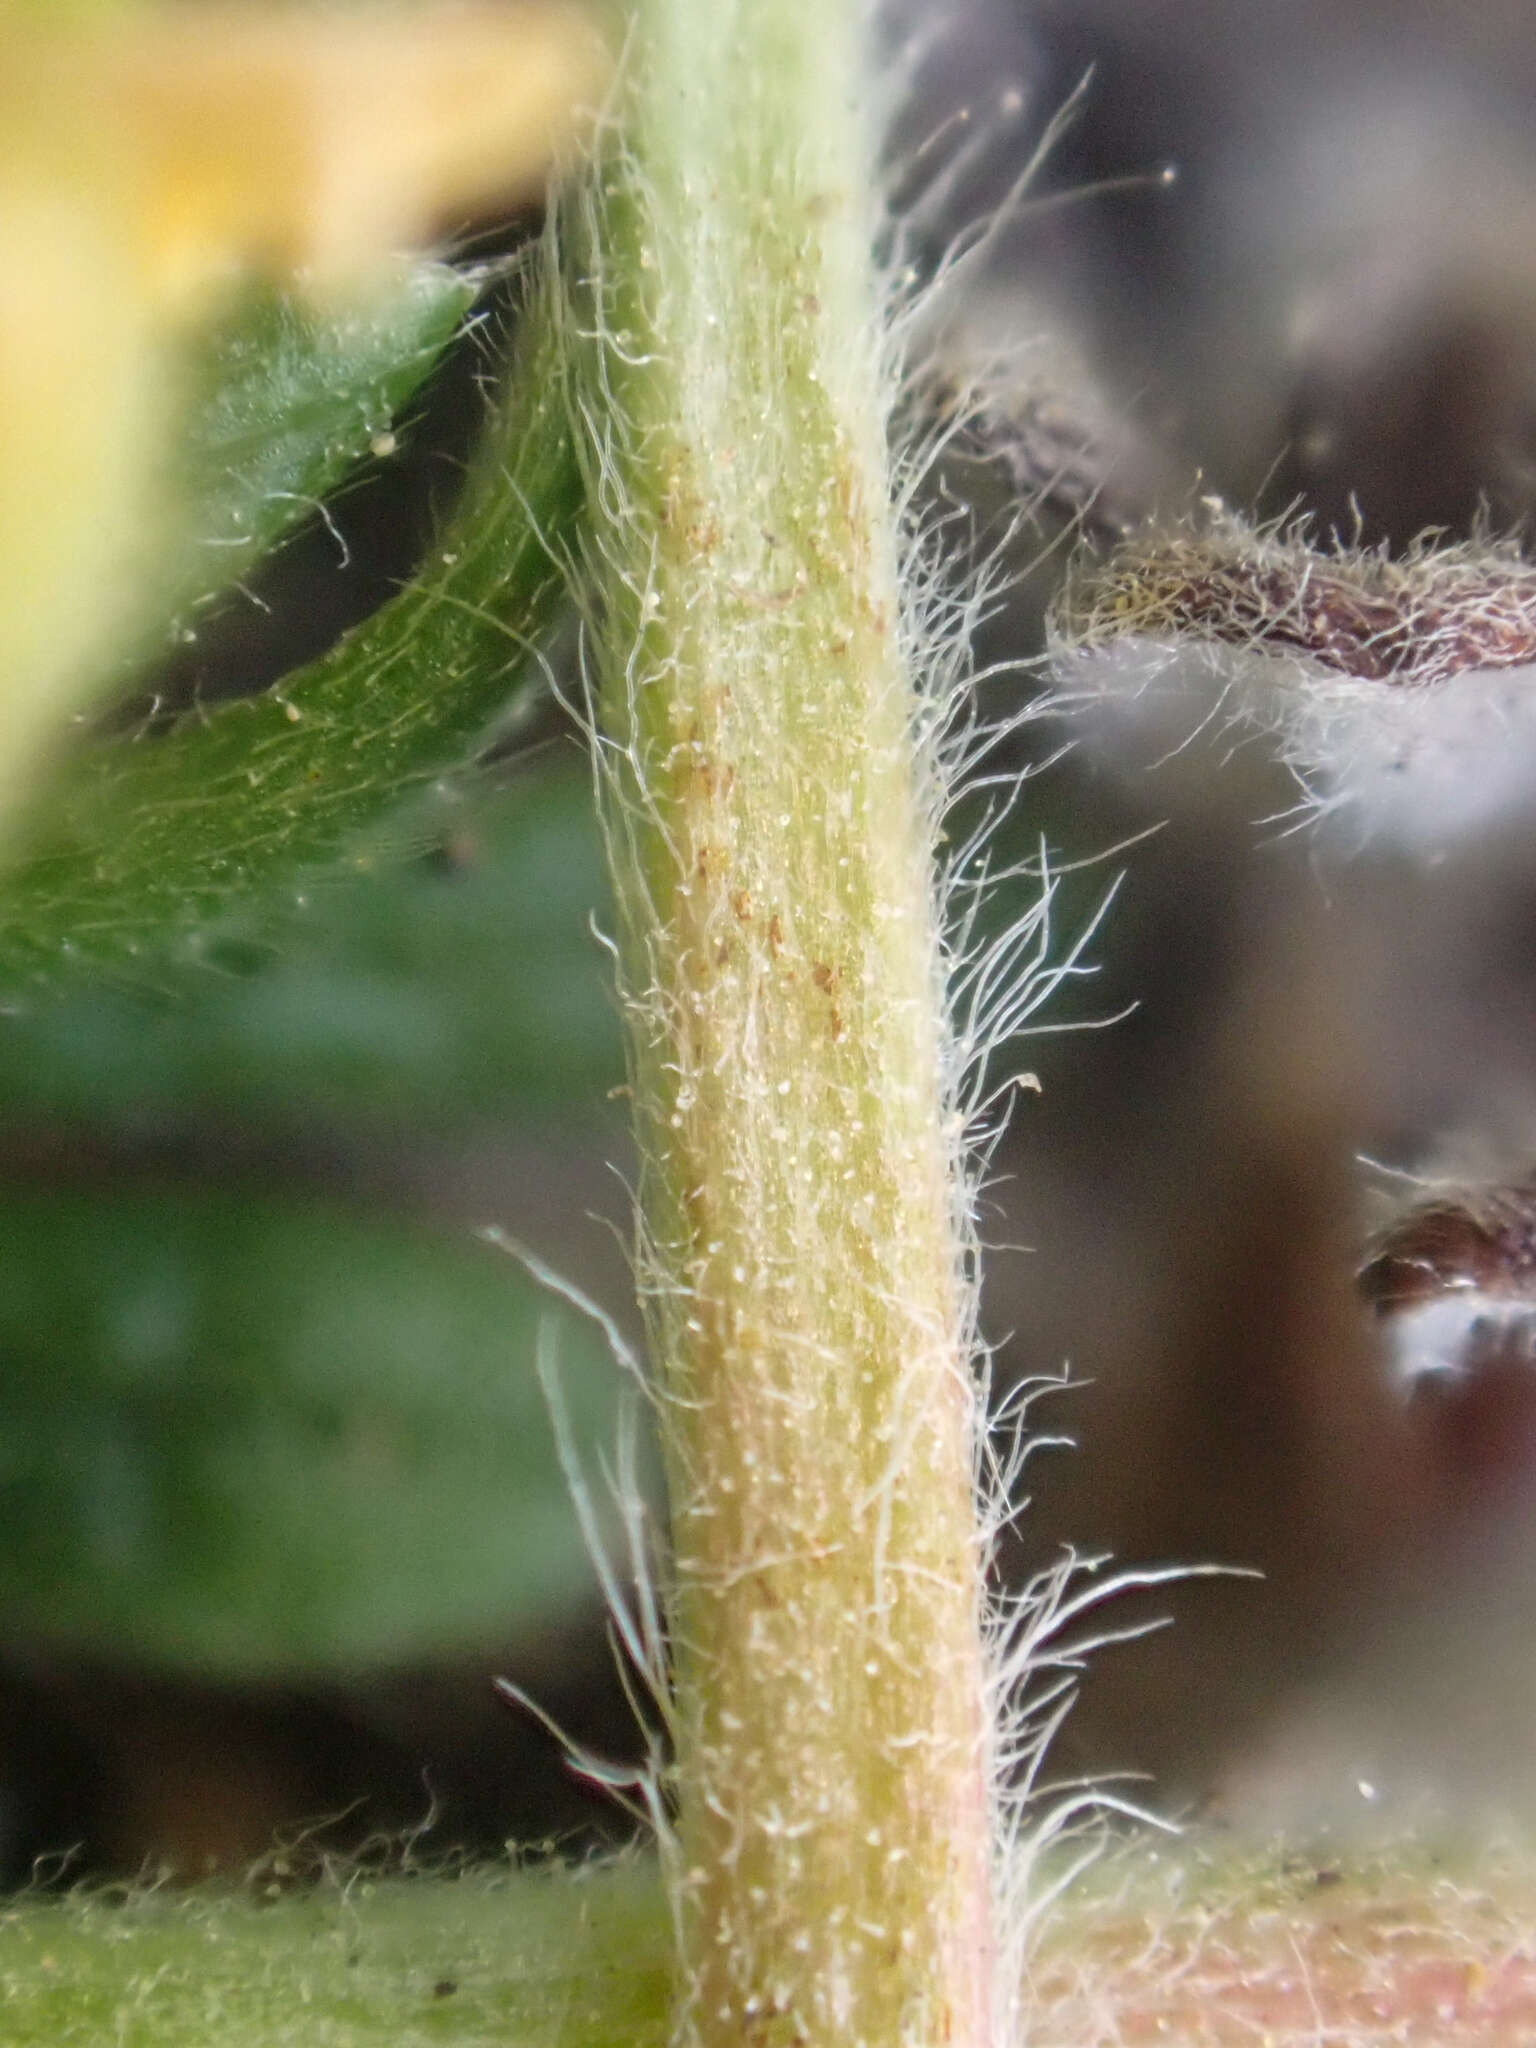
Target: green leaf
(509,1959)
(142,843)
(282,403)
(413,1000)
(246,1435)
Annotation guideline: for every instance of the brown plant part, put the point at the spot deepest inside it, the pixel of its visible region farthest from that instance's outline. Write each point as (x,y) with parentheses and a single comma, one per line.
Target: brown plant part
(1476,1238)
(1416,620)
(1453,1284)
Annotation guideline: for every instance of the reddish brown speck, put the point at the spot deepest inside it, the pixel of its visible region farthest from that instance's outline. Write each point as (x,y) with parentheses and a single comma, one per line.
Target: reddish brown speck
(1484,1239)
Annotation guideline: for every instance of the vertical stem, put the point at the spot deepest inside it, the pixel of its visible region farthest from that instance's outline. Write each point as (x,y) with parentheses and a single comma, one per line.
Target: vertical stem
(772,810)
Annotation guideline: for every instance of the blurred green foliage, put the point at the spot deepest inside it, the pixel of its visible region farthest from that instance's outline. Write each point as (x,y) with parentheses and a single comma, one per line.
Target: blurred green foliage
(427,993)
(280,403)
(492,1959)
(142,844)
(250,1431)
(251,1426)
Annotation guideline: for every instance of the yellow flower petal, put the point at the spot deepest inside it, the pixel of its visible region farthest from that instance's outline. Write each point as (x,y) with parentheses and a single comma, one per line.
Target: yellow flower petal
(148,157)
(317,142)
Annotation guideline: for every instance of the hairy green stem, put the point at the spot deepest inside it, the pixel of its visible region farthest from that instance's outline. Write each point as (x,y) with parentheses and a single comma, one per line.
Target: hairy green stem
(772,809)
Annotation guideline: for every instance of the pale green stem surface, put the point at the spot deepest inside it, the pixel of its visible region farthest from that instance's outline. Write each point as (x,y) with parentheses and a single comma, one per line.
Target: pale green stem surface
(772,810)
(489,1959)
(1205,1943)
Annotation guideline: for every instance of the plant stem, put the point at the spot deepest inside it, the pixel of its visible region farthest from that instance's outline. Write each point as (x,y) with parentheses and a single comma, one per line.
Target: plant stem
(772,808)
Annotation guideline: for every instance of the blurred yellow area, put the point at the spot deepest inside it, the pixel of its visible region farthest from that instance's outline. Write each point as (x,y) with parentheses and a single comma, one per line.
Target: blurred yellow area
(150,157)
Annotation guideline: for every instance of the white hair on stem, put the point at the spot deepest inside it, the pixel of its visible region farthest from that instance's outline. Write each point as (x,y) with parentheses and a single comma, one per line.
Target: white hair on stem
(980,992)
